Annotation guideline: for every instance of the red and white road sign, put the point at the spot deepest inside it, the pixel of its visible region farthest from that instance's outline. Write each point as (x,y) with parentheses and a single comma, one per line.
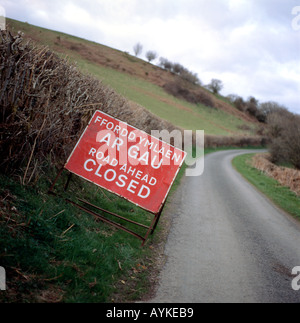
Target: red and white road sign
(126,161)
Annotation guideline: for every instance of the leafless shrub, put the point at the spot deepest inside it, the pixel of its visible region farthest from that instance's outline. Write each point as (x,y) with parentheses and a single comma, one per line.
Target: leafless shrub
(284,130)
(261,131)
(190,76)
(180,90)
(177,68)
(239,103)
(277,121)
(244,127)
(269,107)
(277,152)
(292,142)
(138,48)
(180,70)
(252,106)
(151,55)
(165,63)
(215,86)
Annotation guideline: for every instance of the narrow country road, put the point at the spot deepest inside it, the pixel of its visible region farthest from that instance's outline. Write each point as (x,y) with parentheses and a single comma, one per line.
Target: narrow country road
(227,243)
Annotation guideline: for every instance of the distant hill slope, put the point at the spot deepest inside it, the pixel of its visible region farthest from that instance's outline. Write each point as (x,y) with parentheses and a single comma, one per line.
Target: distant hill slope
(144,83)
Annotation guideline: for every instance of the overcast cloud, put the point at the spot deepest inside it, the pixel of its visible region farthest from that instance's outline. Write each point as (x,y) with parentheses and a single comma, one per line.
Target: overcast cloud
(253,46)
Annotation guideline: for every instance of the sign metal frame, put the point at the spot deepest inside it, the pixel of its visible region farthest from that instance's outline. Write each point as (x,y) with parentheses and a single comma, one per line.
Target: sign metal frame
(94,209)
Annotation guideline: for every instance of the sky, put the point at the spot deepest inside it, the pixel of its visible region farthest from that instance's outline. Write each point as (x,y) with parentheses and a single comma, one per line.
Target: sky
(252,46)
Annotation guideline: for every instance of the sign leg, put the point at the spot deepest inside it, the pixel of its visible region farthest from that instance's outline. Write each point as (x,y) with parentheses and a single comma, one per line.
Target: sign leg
(68,182)
(56,178)
(157,219)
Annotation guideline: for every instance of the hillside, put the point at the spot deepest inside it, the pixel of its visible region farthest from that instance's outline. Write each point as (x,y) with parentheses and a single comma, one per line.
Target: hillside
(144,83)
(51,250)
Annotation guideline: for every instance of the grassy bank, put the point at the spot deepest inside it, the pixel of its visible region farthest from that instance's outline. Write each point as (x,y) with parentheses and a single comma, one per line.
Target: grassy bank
(280,195)
(53,252)
(165,106)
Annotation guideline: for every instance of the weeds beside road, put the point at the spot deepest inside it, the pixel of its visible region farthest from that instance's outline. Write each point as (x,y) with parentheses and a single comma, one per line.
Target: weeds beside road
(282,196)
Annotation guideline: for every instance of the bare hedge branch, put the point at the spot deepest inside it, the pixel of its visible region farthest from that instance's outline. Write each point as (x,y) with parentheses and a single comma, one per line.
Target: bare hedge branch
(46,103)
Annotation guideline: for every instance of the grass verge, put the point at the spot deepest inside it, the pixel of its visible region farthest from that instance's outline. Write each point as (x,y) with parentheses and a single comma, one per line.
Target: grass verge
(53,252)
(282,196)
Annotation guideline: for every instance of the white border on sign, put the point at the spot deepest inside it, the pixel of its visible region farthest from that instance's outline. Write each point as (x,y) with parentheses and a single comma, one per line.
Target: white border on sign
(143,132)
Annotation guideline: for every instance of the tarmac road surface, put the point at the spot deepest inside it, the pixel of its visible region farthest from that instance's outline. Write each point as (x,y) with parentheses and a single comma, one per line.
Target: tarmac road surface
(227,243)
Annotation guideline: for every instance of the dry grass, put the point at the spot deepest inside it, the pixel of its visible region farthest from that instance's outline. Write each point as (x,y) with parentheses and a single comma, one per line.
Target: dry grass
(285,176)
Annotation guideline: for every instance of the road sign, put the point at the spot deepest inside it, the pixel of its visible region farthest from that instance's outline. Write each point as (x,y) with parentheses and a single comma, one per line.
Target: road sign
(126,161)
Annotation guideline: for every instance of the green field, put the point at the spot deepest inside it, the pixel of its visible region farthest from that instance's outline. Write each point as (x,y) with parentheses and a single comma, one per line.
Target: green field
(156,100)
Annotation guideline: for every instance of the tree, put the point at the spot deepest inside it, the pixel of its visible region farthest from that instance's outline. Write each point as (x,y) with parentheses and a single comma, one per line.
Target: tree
(151,55)
(291,141)
(190,76)
(137,48)
(266,108)
(252,106)
(166,64)
(284,132)
(178,68)
(215,86)
(238,102)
